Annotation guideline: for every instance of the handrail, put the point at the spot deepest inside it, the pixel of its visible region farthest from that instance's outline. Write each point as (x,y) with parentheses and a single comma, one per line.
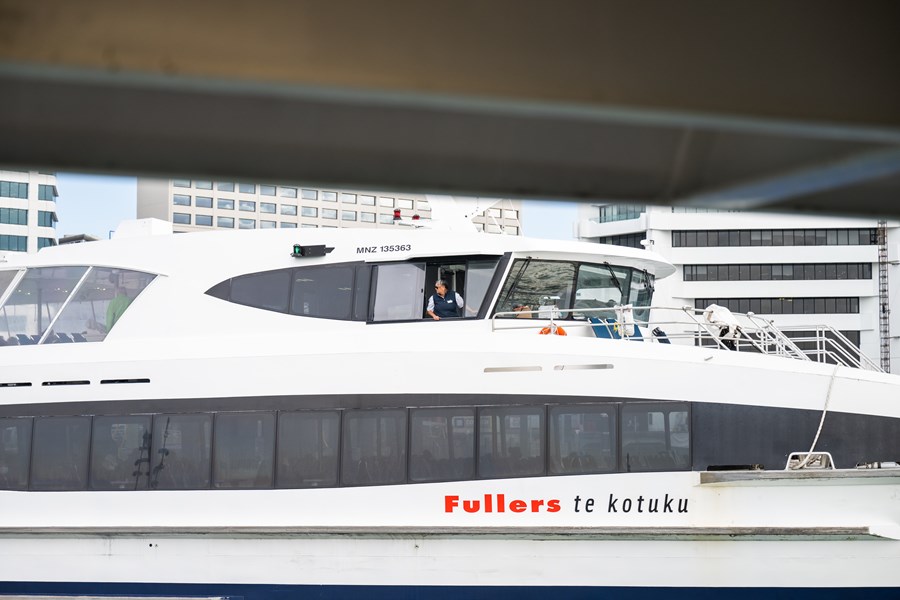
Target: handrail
(753,333)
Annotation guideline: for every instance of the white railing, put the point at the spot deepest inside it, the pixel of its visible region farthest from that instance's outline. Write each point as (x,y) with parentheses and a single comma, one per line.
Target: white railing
(687,325)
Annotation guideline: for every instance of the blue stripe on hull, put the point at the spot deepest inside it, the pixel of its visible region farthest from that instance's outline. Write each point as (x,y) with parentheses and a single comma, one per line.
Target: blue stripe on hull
(345,592)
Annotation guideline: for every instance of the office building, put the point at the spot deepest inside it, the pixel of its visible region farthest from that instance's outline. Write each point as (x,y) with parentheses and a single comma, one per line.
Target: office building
(194,205)
(27,210)
(794,269)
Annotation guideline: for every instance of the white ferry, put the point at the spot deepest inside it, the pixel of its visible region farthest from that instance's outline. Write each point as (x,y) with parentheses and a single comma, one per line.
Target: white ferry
(275,414)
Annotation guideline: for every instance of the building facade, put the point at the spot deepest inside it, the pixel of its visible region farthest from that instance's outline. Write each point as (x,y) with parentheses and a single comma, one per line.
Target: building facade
(794,269)
(27,210)
(194,205)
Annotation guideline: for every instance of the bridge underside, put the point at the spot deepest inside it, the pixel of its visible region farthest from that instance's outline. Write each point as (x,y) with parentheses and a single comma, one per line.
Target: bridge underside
(791,106)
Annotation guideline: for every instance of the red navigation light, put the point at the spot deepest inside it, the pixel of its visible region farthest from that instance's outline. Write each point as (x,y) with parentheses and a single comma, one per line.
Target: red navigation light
(396,214)
(415,217)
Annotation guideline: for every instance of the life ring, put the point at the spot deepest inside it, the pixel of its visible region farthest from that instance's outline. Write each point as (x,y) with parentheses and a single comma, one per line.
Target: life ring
(554,329)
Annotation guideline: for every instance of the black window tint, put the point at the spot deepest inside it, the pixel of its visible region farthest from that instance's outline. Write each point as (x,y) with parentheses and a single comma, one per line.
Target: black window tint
(323,292)
(655,437)
(180,458)
(308,449)
(374,447)
(582,439)
(60,453)
(268,290)
(361,293)
(120,453)
(15,453)
(442,444)
(511,442)
(244,450)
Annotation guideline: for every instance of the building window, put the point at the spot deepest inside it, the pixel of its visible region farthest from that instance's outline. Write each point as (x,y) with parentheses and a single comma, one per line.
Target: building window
(620,212)
(784,306)
(288,192)
(367,217)
(46,218)
(203,185)
(203,202)
(308,226)
(223,186)
(246,223)
(782,272)
(385,219)
(510,214)
(47,192)
(266,190)
(16,243)
(13,189)
(225,222)
(225,204)
(268,208)
(309,211)
(309,194)
(16,216)
(348,215)
(284,225)
(247,205)
(204,220)
(289,210)
(329,196)
(348,198)
(181,200)
(385,202)
(267,224)
(181,218)
(181,183)
(329,213)
(404,203)
(774,237)
(43,242)
(247,188)
(367,200)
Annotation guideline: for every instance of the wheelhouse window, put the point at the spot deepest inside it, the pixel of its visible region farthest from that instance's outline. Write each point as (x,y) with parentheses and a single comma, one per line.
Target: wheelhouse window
(325,292)
(398,292)
(35,302)
(542,286)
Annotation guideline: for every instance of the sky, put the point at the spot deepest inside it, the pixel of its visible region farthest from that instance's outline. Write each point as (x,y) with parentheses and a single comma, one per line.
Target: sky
(96,204)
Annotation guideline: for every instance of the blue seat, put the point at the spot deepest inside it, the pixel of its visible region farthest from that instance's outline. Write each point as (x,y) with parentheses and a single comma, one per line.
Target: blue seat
(606,328)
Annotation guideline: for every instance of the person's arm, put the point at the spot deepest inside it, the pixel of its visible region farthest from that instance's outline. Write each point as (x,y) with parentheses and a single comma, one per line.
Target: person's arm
(430,309)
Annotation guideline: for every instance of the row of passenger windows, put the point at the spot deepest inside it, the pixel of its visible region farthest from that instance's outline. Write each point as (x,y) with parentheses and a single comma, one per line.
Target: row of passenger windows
(327,448)
(808,271)
(784,306)
(775,237)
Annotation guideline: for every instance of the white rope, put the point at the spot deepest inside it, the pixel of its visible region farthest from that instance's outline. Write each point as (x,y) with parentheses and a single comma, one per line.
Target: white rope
(809,454)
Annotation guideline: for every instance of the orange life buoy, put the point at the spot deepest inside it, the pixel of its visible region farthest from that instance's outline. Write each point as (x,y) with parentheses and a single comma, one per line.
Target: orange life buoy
(554,329)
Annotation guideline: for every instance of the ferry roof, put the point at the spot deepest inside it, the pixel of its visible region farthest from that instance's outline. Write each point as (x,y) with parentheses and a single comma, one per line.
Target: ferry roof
(210,257)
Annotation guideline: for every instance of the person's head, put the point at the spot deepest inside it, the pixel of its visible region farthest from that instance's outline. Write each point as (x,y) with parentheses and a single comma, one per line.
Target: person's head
(440,286)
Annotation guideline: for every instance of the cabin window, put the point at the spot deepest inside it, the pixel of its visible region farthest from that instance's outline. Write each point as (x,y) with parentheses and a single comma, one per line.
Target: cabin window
(511,442)
(244,450)
(15,453)
(308,444)
(6,278)
(325,291)
(98,305)
(120,454)
(269,290)
(374,447)
(33,304)
(542,286)
(398,293)
(655,437)
(442,444)
(180,457)
(60,453)
(601,287)
(582,439)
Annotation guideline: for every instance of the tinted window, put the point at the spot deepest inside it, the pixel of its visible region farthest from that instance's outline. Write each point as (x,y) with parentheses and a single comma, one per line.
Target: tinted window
(655,437)
(181,452)
(399,292)
(323,292)
(244,450)
(442,444)
(60,453)
(544,286)
(120,455)
(308,449)
(582,439)
(511,442)
(374,447)
(268,290)
(15,452)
